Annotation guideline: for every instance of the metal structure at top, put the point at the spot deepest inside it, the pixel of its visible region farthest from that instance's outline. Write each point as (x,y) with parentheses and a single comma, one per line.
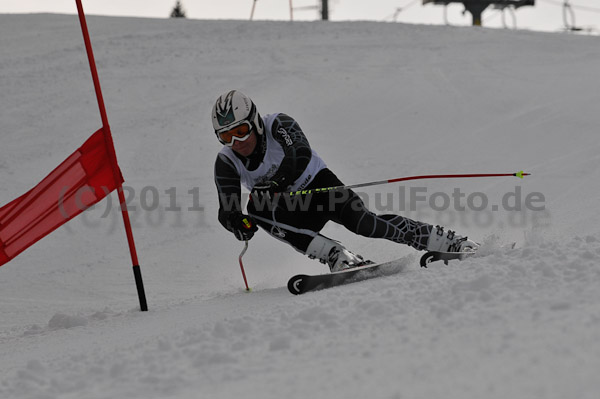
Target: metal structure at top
(476,7)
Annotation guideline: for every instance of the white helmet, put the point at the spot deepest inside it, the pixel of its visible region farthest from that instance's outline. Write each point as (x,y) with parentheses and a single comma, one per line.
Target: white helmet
(234,109)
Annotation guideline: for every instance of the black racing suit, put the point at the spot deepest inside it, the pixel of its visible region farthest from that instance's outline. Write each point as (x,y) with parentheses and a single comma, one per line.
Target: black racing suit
(298,219)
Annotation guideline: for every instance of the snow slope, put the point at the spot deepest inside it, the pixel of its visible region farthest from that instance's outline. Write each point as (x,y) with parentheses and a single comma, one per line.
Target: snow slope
(377,101)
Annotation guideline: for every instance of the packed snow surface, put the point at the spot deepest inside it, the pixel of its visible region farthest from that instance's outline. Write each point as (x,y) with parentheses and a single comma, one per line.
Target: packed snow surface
(377,101)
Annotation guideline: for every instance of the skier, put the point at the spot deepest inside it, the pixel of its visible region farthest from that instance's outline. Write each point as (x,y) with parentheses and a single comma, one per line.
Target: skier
(270,155)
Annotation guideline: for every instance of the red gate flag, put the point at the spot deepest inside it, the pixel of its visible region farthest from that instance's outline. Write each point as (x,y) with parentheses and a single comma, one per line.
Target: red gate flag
(82,180)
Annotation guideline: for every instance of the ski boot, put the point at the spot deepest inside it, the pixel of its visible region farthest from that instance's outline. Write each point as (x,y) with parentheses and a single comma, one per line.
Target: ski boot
(333,254)
(441,241)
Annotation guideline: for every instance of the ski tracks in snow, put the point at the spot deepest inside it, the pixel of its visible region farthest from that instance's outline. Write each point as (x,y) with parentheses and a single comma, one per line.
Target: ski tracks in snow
(508,312)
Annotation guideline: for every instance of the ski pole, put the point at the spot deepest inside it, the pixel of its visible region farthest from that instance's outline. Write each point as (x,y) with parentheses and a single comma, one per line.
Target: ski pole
(242,265)
(520,174)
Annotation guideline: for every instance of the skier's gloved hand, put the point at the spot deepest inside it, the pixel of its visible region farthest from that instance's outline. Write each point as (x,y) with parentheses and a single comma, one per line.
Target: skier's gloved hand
(265,190)
(242,226)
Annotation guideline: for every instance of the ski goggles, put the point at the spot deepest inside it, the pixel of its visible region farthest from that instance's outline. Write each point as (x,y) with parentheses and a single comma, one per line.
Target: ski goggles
(240,133)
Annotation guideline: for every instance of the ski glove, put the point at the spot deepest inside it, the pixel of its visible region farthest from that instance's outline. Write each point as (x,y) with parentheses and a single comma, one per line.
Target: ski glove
(266,190)
(242,226)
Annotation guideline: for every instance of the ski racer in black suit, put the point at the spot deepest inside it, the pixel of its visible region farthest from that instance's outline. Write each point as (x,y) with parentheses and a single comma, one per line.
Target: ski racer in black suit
(271,157)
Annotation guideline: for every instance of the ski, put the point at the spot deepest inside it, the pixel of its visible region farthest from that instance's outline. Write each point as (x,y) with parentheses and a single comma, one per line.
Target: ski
(303,283)
(434,256)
